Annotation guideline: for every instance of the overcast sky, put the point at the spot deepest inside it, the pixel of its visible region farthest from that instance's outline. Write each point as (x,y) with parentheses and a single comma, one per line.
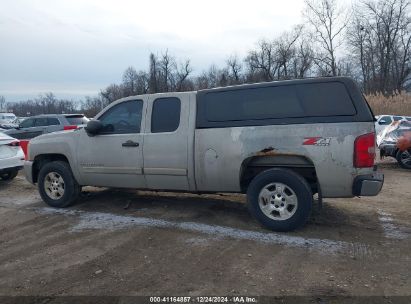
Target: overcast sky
(76,47)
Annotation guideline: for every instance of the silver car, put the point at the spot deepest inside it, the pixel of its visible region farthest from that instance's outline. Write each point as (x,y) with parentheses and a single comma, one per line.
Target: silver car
(42,124)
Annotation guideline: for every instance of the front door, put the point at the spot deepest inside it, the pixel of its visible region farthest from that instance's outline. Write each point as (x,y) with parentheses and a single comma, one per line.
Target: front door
(28,129)
(114,157)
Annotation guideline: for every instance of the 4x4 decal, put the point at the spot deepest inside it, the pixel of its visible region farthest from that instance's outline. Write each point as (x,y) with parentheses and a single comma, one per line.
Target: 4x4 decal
(317,141)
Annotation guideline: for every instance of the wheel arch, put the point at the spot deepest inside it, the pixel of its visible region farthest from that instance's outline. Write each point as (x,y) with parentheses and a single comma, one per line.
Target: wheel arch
(40,160)
(302,165)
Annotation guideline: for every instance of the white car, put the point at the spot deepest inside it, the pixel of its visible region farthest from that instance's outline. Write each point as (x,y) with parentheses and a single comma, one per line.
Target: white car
(7,117)
(11,157)
(383,121)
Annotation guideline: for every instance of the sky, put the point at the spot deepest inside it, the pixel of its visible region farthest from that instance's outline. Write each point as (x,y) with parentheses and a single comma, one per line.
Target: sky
(74,48)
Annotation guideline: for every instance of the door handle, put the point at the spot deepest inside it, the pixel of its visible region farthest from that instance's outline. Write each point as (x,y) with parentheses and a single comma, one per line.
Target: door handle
(130,143)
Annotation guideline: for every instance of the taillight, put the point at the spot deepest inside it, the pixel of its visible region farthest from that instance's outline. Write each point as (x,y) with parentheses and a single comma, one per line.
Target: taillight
(364,151)
(14,143)
(25,147)
(70,128)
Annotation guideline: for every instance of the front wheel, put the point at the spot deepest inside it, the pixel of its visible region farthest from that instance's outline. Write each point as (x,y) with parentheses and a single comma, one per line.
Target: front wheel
(57,186)
(280,199)
(404,158)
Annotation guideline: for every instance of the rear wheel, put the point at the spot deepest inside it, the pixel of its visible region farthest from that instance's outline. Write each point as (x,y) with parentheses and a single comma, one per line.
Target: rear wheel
(9,175)
(57,185)
(404,158)
(280,199)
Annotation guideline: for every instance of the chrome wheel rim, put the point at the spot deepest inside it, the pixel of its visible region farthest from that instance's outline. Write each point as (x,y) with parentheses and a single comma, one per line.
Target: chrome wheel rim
(278,201)
(54,185)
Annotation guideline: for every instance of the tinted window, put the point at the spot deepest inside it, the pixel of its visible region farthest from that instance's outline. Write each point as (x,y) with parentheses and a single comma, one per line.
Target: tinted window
(397,118)
(304,100)
(385,120)
(166,115)
(77,120)
(28,123)
(124,117)
(40,122)
(52,121)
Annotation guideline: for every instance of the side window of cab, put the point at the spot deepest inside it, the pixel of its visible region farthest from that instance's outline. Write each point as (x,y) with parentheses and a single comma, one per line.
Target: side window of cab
(123,118)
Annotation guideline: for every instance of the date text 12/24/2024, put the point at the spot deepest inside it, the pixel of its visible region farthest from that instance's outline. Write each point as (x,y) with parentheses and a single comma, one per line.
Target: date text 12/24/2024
(204,299)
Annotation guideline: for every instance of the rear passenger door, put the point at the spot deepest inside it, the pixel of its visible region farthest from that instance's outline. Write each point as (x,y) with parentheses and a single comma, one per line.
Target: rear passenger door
(166,142)
(40,126)
(53,125)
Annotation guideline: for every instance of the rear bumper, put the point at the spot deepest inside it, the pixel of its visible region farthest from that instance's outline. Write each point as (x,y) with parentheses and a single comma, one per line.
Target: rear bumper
(368,185)
(28,171)
(17,168)
(12,163)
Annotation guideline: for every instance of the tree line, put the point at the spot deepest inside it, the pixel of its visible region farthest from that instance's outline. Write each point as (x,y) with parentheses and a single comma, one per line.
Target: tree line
(369,42)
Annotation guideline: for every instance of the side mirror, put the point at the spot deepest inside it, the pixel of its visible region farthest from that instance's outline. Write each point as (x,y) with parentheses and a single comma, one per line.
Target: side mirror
(93,127)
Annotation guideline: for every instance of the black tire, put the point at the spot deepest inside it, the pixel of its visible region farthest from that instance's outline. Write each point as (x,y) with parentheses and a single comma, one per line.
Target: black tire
(9,175)
(292,181)
(404,158)
(71,187)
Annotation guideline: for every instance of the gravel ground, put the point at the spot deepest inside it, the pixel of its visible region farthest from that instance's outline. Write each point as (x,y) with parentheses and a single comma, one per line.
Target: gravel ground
(123,242)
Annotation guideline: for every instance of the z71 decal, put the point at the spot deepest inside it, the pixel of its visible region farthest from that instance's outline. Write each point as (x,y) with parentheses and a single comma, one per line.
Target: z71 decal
(317,141)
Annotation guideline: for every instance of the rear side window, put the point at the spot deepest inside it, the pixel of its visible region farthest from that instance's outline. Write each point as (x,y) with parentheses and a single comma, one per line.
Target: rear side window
(165,116)
(288,101)
(397,118)
(52,121)
(77,120)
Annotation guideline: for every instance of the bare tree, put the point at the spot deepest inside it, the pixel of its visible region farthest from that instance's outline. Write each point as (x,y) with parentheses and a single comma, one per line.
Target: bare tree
(2,103)
(328,20)
(91,105)
(112,93)
(380,37)
(262,64)
(153,74)
(167,69)
(182,77)
(302,61)
(130,79)
(286,51)
(234,69)
(143,81)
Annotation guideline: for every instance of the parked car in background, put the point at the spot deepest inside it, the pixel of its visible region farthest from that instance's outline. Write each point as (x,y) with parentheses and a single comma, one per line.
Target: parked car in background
(13,124)
(47,123)
(387,143)
(382,121)
(11,157)
(7,117)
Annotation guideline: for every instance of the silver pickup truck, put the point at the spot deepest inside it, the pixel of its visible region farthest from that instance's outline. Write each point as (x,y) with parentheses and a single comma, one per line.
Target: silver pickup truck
(278,142)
